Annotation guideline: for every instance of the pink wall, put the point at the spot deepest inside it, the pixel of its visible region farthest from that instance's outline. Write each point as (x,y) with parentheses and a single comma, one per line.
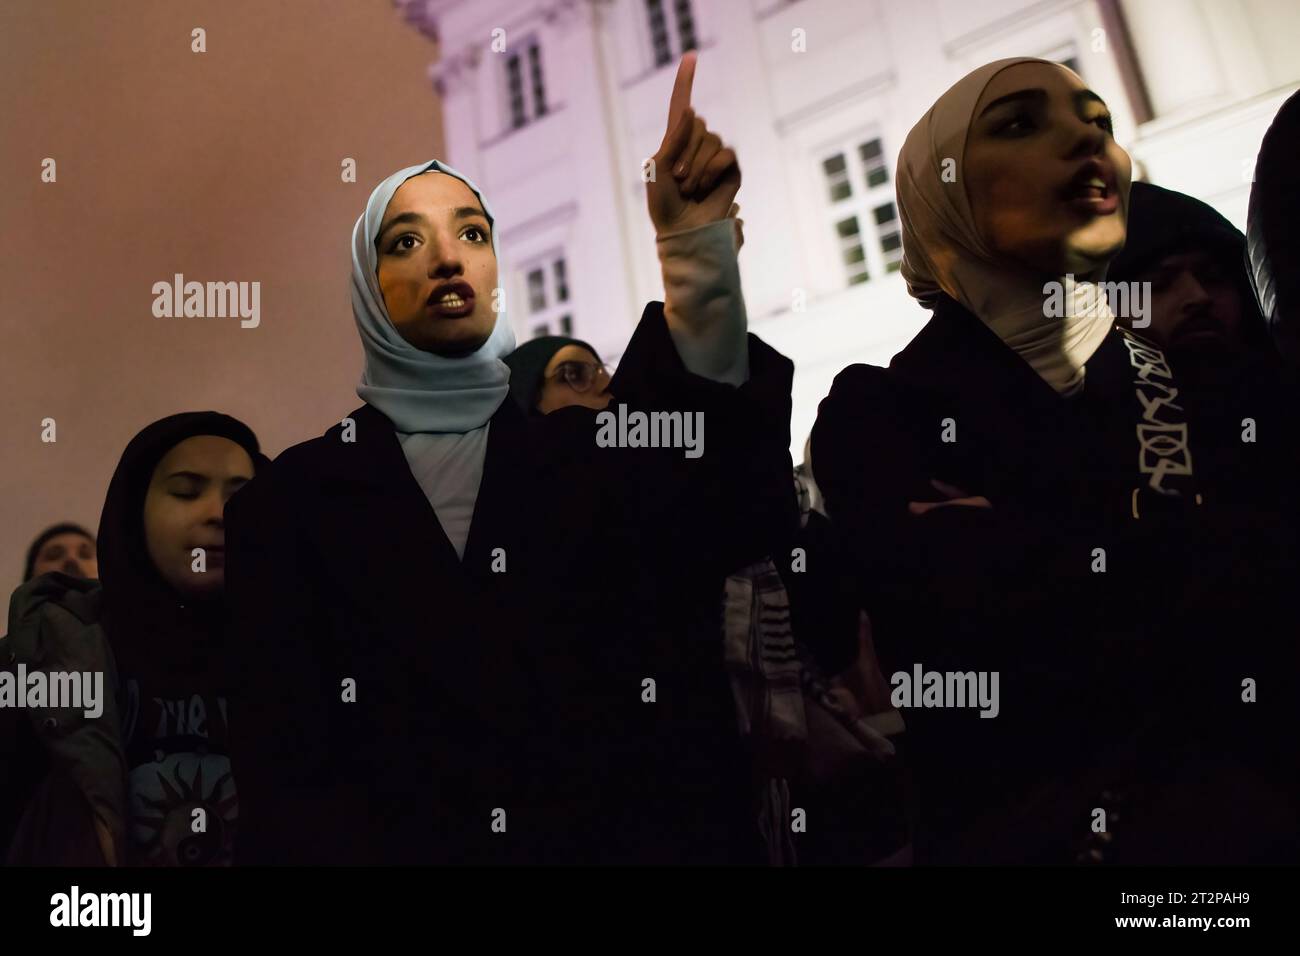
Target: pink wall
(223,166)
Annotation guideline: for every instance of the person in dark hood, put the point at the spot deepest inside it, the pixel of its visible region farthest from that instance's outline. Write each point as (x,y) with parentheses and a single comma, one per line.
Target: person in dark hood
(1063,608)
(1238,391)
(65,547)
(1201,300)
(555,371)
(149,775)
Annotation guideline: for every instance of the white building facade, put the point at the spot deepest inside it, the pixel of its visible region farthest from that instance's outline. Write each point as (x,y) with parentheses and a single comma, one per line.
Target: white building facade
(552,107)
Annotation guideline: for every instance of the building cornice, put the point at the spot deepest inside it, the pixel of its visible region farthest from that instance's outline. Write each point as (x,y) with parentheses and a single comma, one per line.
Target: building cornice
(455,70)
(837,101)
(427,15)
(456,66)
(958,46)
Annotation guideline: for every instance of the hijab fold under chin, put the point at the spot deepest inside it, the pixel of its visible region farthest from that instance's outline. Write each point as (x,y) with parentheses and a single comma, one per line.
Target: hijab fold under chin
(943,251)
(417,390)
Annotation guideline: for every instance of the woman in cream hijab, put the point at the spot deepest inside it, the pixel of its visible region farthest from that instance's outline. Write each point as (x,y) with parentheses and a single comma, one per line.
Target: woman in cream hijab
(1019,492)
(1009,182)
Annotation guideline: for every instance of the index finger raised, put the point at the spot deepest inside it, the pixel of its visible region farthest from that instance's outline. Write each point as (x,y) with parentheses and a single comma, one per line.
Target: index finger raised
(680,101)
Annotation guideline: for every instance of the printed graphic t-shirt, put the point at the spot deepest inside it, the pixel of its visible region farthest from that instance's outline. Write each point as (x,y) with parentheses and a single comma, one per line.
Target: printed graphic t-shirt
(183,806)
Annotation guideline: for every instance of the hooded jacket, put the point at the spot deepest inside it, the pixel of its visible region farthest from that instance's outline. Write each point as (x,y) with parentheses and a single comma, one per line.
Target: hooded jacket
(1231,391)
(157,752)
(1162,222)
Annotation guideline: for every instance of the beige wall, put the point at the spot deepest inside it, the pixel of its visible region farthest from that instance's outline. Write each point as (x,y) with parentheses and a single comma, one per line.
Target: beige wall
(222,165)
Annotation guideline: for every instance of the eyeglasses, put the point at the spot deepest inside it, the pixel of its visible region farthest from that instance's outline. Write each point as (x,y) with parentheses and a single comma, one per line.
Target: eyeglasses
(580,376)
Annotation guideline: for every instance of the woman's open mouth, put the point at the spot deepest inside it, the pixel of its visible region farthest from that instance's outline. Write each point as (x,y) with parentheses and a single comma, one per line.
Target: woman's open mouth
(452,300)
(1092,190)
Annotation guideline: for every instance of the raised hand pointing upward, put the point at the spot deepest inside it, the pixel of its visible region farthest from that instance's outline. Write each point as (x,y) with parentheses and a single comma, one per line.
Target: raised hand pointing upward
(695,178)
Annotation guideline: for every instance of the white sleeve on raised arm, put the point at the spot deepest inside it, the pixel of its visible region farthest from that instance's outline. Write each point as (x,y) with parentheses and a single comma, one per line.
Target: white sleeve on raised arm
(703,304)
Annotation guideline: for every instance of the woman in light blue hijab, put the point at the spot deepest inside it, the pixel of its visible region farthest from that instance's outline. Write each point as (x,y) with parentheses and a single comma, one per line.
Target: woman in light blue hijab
(420,691)
(433,365)
(419,390)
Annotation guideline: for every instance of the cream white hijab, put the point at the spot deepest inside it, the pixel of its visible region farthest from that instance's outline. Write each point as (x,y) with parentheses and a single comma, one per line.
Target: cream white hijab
(944,252)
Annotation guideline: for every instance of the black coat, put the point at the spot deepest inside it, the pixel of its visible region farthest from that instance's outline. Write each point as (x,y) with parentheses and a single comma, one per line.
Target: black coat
(1117,689)
(522,690)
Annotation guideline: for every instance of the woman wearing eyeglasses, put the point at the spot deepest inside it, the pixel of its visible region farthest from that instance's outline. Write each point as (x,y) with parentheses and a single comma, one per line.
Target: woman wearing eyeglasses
(555,371)
(551,373)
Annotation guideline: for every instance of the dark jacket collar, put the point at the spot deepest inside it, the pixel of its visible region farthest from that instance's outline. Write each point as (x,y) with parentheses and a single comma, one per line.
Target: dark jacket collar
(375,463)
(957,353)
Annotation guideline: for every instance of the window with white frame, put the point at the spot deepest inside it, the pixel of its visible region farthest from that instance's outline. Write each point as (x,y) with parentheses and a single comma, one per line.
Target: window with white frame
(525,85)
(672,29)
(861,200)
(546,285)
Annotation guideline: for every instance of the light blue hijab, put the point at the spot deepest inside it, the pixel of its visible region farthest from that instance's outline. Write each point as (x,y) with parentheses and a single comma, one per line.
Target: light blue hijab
(417,390)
